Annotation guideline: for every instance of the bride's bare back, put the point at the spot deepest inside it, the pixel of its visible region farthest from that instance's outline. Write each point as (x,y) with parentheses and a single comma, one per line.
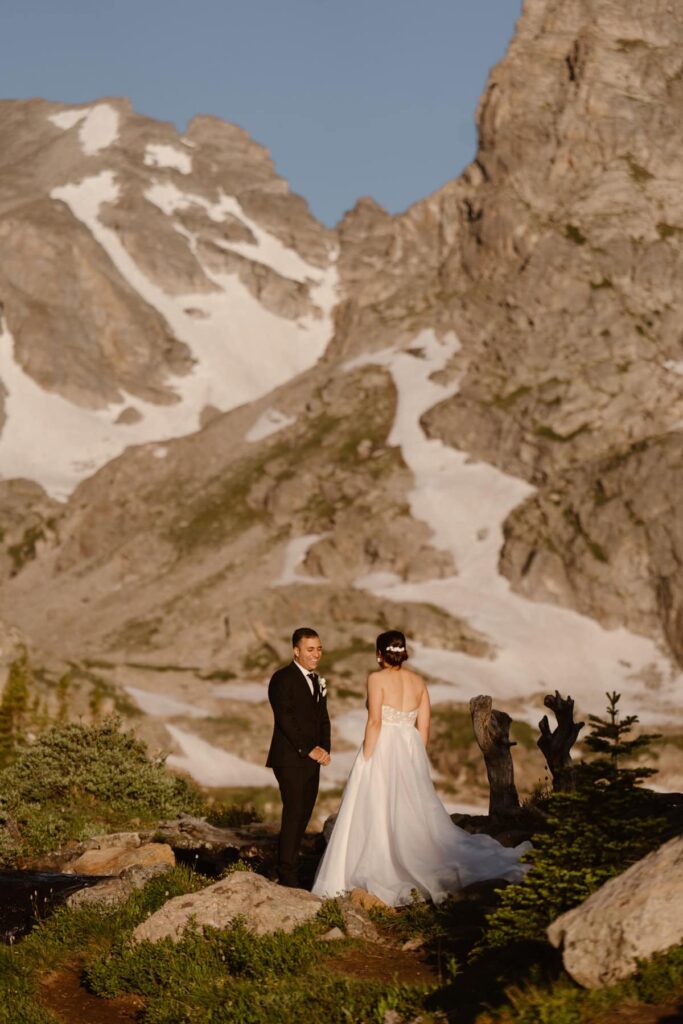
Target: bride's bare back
(399,688)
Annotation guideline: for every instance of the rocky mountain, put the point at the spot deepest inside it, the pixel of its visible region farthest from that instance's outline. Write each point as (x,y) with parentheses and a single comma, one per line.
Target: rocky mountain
(221,419)
(149,281)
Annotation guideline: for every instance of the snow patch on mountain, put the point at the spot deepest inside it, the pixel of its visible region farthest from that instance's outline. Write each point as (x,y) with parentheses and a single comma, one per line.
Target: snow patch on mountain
(266,248)
(211,766)
(248,693)
(295,556)
(270,422)
(241,351)
(67,119)
(49,439)
(164,707)
(157,154)
(99,126)
(539,647)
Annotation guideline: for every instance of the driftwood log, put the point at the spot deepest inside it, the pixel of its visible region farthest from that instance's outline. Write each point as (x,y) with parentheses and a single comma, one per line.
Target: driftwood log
(492,733)
(556,744)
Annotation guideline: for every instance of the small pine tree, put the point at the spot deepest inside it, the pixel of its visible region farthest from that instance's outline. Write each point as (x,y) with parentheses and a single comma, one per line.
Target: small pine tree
(589,835)
(14,707)
(607,739)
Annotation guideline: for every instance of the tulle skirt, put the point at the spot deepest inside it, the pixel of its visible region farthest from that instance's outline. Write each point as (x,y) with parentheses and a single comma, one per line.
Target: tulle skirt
(393,835)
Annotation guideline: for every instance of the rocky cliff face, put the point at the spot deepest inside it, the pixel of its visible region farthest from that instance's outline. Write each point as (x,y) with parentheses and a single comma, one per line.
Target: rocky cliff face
(149,280)
(572,257)
(374,403)
(557,257)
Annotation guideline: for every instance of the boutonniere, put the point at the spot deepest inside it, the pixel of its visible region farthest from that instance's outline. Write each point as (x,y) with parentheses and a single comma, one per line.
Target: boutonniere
(322,683)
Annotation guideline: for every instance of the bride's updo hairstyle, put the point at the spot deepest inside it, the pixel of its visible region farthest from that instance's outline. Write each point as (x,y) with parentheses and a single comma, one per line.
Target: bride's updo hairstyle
(391,647)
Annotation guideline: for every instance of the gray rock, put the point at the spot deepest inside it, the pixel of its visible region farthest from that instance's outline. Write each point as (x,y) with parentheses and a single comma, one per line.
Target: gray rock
(629,918)
(112,892)
(265,906)
(357,923)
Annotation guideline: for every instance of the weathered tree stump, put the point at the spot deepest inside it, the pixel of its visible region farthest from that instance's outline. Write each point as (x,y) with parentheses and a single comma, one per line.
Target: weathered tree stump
(556,744)
(492,733)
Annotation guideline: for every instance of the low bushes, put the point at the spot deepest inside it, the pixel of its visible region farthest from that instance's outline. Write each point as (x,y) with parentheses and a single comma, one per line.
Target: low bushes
(77,780)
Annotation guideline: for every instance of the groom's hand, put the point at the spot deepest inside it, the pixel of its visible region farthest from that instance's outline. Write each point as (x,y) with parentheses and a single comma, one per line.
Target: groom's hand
(319,755)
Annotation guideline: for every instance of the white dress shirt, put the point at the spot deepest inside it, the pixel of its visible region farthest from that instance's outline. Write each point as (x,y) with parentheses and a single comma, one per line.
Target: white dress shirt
(306,676)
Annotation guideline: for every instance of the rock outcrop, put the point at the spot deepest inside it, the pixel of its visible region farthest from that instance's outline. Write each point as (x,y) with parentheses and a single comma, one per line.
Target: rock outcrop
(606,538)
(265,907)
(116,853)
(557,258)
(568,278)
(113,892)
(628,919)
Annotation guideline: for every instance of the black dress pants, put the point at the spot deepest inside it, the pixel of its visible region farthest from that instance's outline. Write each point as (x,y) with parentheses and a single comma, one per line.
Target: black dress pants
(299,791)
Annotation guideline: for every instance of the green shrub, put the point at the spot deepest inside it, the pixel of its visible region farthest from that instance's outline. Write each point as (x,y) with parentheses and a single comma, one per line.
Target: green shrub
(657,980)
(78,779)
(14,707)
(232,815)
(330,915)
(232,975)
(588,835)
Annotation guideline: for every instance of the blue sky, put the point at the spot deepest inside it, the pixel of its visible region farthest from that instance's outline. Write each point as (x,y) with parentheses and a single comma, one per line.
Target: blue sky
(352,97)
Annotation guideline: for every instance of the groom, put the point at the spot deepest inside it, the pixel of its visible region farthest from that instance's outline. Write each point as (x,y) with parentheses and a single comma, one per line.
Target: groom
(300,744)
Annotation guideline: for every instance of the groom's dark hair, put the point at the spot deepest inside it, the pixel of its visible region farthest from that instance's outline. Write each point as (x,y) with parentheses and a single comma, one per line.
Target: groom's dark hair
(301,633)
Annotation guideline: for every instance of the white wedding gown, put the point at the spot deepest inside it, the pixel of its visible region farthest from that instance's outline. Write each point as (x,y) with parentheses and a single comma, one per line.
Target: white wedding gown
(393,835)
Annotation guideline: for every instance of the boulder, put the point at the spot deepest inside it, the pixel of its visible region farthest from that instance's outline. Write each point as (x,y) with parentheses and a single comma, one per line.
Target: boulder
(357,924)
(367,900)
(110,859)
(628,919)
(265,906)
(112,892)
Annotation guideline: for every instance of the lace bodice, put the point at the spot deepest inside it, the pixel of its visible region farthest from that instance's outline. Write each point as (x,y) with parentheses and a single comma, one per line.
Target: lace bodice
(392,716)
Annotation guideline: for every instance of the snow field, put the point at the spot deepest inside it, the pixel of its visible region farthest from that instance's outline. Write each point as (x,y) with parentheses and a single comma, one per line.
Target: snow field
(270,422)
(158,154)
(241,352)
(160,706)
(295,555)
(99,126)
(211,766)
(539,647)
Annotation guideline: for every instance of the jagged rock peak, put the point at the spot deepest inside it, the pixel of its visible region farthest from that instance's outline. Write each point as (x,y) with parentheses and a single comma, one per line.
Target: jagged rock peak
(147,277)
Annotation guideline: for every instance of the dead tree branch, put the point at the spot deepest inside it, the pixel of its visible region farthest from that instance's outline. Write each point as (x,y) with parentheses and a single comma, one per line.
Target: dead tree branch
(556,744)
(492,733)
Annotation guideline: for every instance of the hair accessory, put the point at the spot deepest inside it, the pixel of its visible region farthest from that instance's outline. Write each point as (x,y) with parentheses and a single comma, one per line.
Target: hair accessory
(395,649)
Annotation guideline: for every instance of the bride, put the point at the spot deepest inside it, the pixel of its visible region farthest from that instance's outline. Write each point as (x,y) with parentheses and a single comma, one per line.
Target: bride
(392,834)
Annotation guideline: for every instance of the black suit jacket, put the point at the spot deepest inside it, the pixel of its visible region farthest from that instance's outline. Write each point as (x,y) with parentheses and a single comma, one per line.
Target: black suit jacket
(301,722)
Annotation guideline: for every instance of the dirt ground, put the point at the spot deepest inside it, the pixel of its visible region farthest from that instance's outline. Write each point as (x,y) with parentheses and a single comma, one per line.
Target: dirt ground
(63,993)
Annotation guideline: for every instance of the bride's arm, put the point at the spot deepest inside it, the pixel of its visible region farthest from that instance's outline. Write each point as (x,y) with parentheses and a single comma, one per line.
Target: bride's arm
(424,716)
(374,723)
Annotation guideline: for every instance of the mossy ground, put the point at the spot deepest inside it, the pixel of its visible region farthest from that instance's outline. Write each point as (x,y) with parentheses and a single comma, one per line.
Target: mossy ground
(227,975)
(81,963)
